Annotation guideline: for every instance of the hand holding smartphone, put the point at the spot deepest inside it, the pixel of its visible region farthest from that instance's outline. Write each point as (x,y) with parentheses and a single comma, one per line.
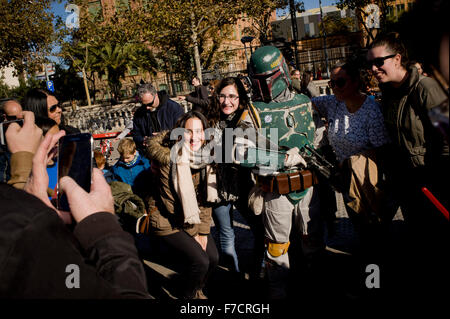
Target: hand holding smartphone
(4,126)
(75,159)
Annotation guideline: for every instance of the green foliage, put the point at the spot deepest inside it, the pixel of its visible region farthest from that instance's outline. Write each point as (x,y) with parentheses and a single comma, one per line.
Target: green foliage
(183,36)
(335,25)
(260,12)
(68,84)
(27,33)
(20,91)
(359,5)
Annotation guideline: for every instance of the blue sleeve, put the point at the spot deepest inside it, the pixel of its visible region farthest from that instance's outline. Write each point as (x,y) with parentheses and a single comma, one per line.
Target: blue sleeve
(114,174)
(378,135)
(146,161)
(322,104)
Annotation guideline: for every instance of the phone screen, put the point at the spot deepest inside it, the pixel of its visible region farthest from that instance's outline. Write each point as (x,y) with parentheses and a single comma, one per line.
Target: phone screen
(74,160)
(4,126)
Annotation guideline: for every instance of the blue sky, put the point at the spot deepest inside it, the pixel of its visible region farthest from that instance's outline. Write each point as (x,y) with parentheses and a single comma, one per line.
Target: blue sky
(311,4)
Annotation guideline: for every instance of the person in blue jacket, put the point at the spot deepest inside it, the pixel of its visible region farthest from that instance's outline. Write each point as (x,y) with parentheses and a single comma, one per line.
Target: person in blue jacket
(132,168)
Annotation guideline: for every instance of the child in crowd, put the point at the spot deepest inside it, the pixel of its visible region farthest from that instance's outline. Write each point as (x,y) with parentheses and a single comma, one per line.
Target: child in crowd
(100,160)
(132,168)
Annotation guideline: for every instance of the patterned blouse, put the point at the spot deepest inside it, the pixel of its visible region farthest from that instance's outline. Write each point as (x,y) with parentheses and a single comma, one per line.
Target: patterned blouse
(352,133)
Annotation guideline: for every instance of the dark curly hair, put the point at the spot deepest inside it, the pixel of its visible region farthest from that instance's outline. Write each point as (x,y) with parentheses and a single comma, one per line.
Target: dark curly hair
(214,112)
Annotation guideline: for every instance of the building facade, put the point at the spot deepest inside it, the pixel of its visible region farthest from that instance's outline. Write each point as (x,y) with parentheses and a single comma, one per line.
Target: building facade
(314,52)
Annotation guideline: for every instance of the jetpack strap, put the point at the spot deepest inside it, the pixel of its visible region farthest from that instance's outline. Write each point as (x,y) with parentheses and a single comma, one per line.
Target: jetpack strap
(254,115)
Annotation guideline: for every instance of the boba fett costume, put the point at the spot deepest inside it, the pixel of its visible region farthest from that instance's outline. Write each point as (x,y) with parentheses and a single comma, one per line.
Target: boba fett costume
(289,200)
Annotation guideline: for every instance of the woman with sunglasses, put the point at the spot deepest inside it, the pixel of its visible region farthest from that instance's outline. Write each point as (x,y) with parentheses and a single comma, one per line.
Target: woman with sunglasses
(355,130)
(419,155)
(355,122)
(44,104)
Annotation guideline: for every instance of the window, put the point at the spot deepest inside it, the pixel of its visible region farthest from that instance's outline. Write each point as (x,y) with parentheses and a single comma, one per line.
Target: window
(95,10)
(307,30)
(390,10)
(122,5)
(178,87)
(410,5)
(400,8)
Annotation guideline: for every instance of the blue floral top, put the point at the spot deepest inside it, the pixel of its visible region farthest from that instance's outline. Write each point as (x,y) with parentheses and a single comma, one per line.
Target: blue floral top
(352,133)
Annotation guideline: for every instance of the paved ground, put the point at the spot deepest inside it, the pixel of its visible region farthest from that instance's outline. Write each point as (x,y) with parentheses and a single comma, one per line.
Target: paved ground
(339,274)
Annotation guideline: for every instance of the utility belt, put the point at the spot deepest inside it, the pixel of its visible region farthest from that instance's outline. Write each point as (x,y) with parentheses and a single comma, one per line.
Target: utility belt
(286,183)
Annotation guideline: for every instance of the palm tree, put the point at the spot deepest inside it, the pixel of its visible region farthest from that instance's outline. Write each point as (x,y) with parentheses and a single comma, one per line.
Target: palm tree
(115,60)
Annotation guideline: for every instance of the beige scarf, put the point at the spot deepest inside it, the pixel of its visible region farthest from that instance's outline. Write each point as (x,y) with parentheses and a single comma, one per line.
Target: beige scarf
(183,184)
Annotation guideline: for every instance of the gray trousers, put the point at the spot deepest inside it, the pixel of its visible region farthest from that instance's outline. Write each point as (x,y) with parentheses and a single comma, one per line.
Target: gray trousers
(280,215)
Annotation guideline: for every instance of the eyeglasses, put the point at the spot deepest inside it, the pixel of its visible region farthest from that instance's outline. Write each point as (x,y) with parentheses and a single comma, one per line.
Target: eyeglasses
(149,104)
(52,108)
(379,62)
(198,131)
(231,97)
(340,83)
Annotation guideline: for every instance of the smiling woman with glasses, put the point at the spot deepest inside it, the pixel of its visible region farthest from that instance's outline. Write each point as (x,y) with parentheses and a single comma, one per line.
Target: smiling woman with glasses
(228,111)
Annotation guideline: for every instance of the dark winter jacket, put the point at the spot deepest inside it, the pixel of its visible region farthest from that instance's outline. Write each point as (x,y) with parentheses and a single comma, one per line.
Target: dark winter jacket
(125,202)
(199,99)
(419,154)
(40,257)
(405,111)
(167,217)
(168,112)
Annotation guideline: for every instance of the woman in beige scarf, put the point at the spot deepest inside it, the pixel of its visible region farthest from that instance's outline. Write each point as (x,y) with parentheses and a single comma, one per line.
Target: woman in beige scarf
(186,187)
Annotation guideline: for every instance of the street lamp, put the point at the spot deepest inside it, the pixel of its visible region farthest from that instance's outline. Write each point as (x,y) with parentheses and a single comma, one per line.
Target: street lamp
(324,39)
(245,40)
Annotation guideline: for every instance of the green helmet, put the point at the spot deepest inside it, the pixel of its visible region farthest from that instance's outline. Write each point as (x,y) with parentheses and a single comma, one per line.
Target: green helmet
(269,73)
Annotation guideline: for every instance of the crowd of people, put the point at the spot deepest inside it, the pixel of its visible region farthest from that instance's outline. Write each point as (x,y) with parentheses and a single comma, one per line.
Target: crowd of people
(188,171)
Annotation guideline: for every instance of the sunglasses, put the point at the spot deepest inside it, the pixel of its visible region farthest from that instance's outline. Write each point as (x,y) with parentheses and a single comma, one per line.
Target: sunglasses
(379,62)
(150,104)
(53,108)
(339,83)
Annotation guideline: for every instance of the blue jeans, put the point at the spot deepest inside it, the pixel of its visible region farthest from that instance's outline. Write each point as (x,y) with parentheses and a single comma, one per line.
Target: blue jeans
(223,218)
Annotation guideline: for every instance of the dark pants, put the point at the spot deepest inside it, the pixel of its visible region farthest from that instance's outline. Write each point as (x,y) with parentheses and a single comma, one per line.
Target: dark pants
(199,263)
(423,263)
(5,159)
(257,227)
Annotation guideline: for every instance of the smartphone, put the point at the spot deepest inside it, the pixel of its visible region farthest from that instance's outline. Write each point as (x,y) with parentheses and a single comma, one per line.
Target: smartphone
(75,159)
(4,126)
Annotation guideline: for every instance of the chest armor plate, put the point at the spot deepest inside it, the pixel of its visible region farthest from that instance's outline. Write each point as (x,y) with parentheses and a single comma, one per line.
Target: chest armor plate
(292,119)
